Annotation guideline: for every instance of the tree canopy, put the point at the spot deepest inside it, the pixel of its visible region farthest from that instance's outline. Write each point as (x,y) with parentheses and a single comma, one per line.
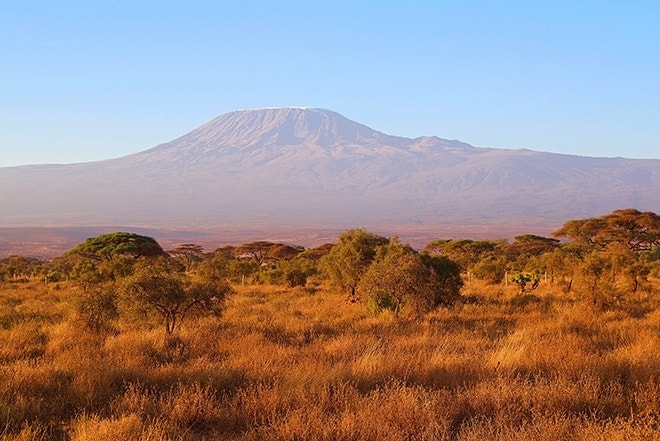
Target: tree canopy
(637,230)
(107,246)
(257,251)
(402,278)
(465,252)
(188,254)
(532,245)
(350,258)
(173,295)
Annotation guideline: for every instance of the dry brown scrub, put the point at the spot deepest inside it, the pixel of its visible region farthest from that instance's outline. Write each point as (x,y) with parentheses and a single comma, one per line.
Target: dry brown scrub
(300,364)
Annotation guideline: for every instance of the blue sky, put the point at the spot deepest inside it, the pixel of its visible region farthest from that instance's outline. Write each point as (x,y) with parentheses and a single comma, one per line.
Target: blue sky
(99,79)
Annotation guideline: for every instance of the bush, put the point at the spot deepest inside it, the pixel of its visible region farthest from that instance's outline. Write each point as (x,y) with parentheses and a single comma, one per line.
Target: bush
(295,277)
(402,278)
(97,308)
(491,270)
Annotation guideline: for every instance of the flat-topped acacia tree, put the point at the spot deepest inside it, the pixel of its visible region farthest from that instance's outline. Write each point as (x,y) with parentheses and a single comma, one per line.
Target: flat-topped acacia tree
(188,253)
(111,257)
(616,250)
(634,229)
(108,246)
(256,251)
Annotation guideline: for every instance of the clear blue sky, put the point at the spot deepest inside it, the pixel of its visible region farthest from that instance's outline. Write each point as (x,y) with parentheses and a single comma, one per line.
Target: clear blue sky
(87,80)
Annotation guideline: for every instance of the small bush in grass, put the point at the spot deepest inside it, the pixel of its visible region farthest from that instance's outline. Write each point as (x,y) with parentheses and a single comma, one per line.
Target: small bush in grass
(97,308)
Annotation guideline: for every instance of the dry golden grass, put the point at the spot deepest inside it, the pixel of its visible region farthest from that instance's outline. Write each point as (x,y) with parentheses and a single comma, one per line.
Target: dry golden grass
(301,364)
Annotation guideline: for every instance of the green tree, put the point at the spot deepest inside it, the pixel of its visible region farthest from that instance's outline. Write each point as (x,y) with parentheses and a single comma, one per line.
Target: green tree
(448,281)
(528,246)
(638,231)
(109,246)
(256,251)
(86,274)
(593,272)
(561,264)
(527,282)
(401,278)
(349,259)
(582,232)
(466,252)
(188,253)
(215,268)
(614,249)
(280,267)
(173,295)
(491,269)
(20,268)
(282,251)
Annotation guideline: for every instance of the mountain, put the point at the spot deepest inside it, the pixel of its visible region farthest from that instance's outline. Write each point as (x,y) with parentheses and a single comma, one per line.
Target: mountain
(304,167)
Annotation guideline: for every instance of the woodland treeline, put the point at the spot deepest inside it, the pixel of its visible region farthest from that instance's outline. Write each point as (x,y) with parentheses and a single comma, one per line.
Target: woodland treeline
(603,259)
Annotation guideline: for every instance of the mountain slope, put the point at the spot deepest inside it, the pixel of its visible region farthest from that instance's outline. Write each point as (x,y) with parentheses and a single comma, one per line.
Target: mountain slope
(298,166)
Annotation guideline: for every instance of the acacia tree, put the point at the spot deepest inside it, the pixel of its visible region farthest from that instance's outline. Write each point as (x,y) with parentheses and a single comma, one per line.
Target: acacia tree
(349,259)
(631,267)
(19,268)
(615,247)
(174,295)
(593,273)
(109,246)
(466,252)
(256,251)
(491,268)
(281,251)
(113,255)
(215,268)
(188,253)
(639,231)
(528,246)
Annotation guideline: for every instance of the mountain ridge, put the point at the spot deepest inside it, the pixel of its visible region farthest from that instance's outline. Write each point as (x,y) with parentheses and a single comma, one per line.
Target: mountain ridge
(309,166)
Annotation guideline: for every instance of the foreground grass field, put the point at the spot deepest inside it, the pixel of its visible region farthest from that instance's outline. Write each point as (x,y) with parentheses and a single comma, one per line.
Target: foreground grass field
(302,364)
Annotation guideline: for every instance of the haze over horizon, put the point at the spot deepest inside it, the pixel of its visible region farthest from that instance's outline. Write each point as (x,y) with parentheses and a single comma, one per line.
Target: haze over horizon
(97,81)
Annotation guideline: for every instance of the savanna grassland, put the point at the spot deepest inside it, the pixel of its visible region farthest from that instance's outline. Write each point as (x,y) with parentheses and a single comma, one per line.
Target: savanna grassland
(504,361)
(285,364)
